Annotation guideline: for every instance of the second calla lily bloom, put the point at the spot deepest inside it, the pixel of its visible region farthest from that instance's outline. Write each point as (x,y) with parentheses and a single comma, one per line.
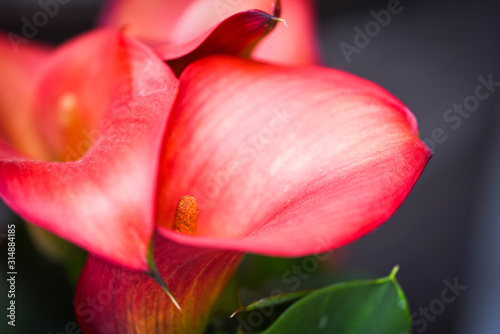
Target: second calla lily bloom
(100,104)
(281,161)
(179,22)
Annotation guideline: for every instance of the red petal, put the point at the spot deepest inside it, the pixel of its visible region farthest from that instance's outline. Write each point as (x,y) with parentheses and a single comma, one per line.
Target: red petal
(18,62)
(120,93)
(110,299)
(237,35)
(285,161)
(292,44)
(181,22)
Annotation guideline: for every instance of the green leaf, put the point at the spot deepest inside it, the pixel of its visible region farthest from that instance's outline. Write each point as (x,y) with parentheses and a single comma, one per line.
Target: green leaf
(260,276)
(273,301)
(368,306)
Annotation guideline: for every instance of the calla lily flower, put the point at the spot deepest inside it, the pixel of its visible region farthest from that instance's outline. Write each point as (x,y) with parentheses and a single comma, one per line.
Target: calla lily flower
(280,161)
(100,105)
(178,23)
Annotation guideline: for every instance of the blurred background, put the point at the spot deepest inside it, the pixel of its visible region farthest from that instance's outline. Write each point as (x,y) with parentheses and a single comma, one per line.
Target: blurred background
(432,55)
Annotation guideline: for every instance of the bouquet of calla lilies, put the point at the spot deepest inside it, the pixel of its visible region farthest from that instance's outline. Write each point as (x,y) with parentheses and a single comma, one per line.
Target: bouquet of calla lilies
(177,136)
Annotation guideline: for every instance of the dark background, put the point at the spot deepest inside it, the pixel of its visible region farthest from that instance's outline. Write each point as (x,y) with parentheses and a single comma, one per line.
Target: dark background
(430,56)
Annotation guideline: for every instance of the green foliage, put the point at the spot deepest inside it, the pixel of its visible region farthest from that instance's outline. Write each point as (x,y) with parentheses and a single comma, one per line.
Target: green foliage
(368,306)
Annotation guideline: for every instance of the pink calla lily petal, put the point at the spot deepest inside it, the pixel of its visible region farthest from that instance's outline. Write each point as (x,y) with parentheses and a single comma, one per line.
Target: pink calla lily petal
(285,161)
(111,300)
(101,106)
(237,35)
(293,43)
(17,65)
(180,23)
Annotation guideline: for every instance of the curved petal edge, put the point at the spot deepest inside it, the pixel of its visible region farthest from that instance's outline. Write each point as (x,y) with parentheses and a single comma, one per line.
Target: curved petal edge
(110,299)
(285,161)
(101,106)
